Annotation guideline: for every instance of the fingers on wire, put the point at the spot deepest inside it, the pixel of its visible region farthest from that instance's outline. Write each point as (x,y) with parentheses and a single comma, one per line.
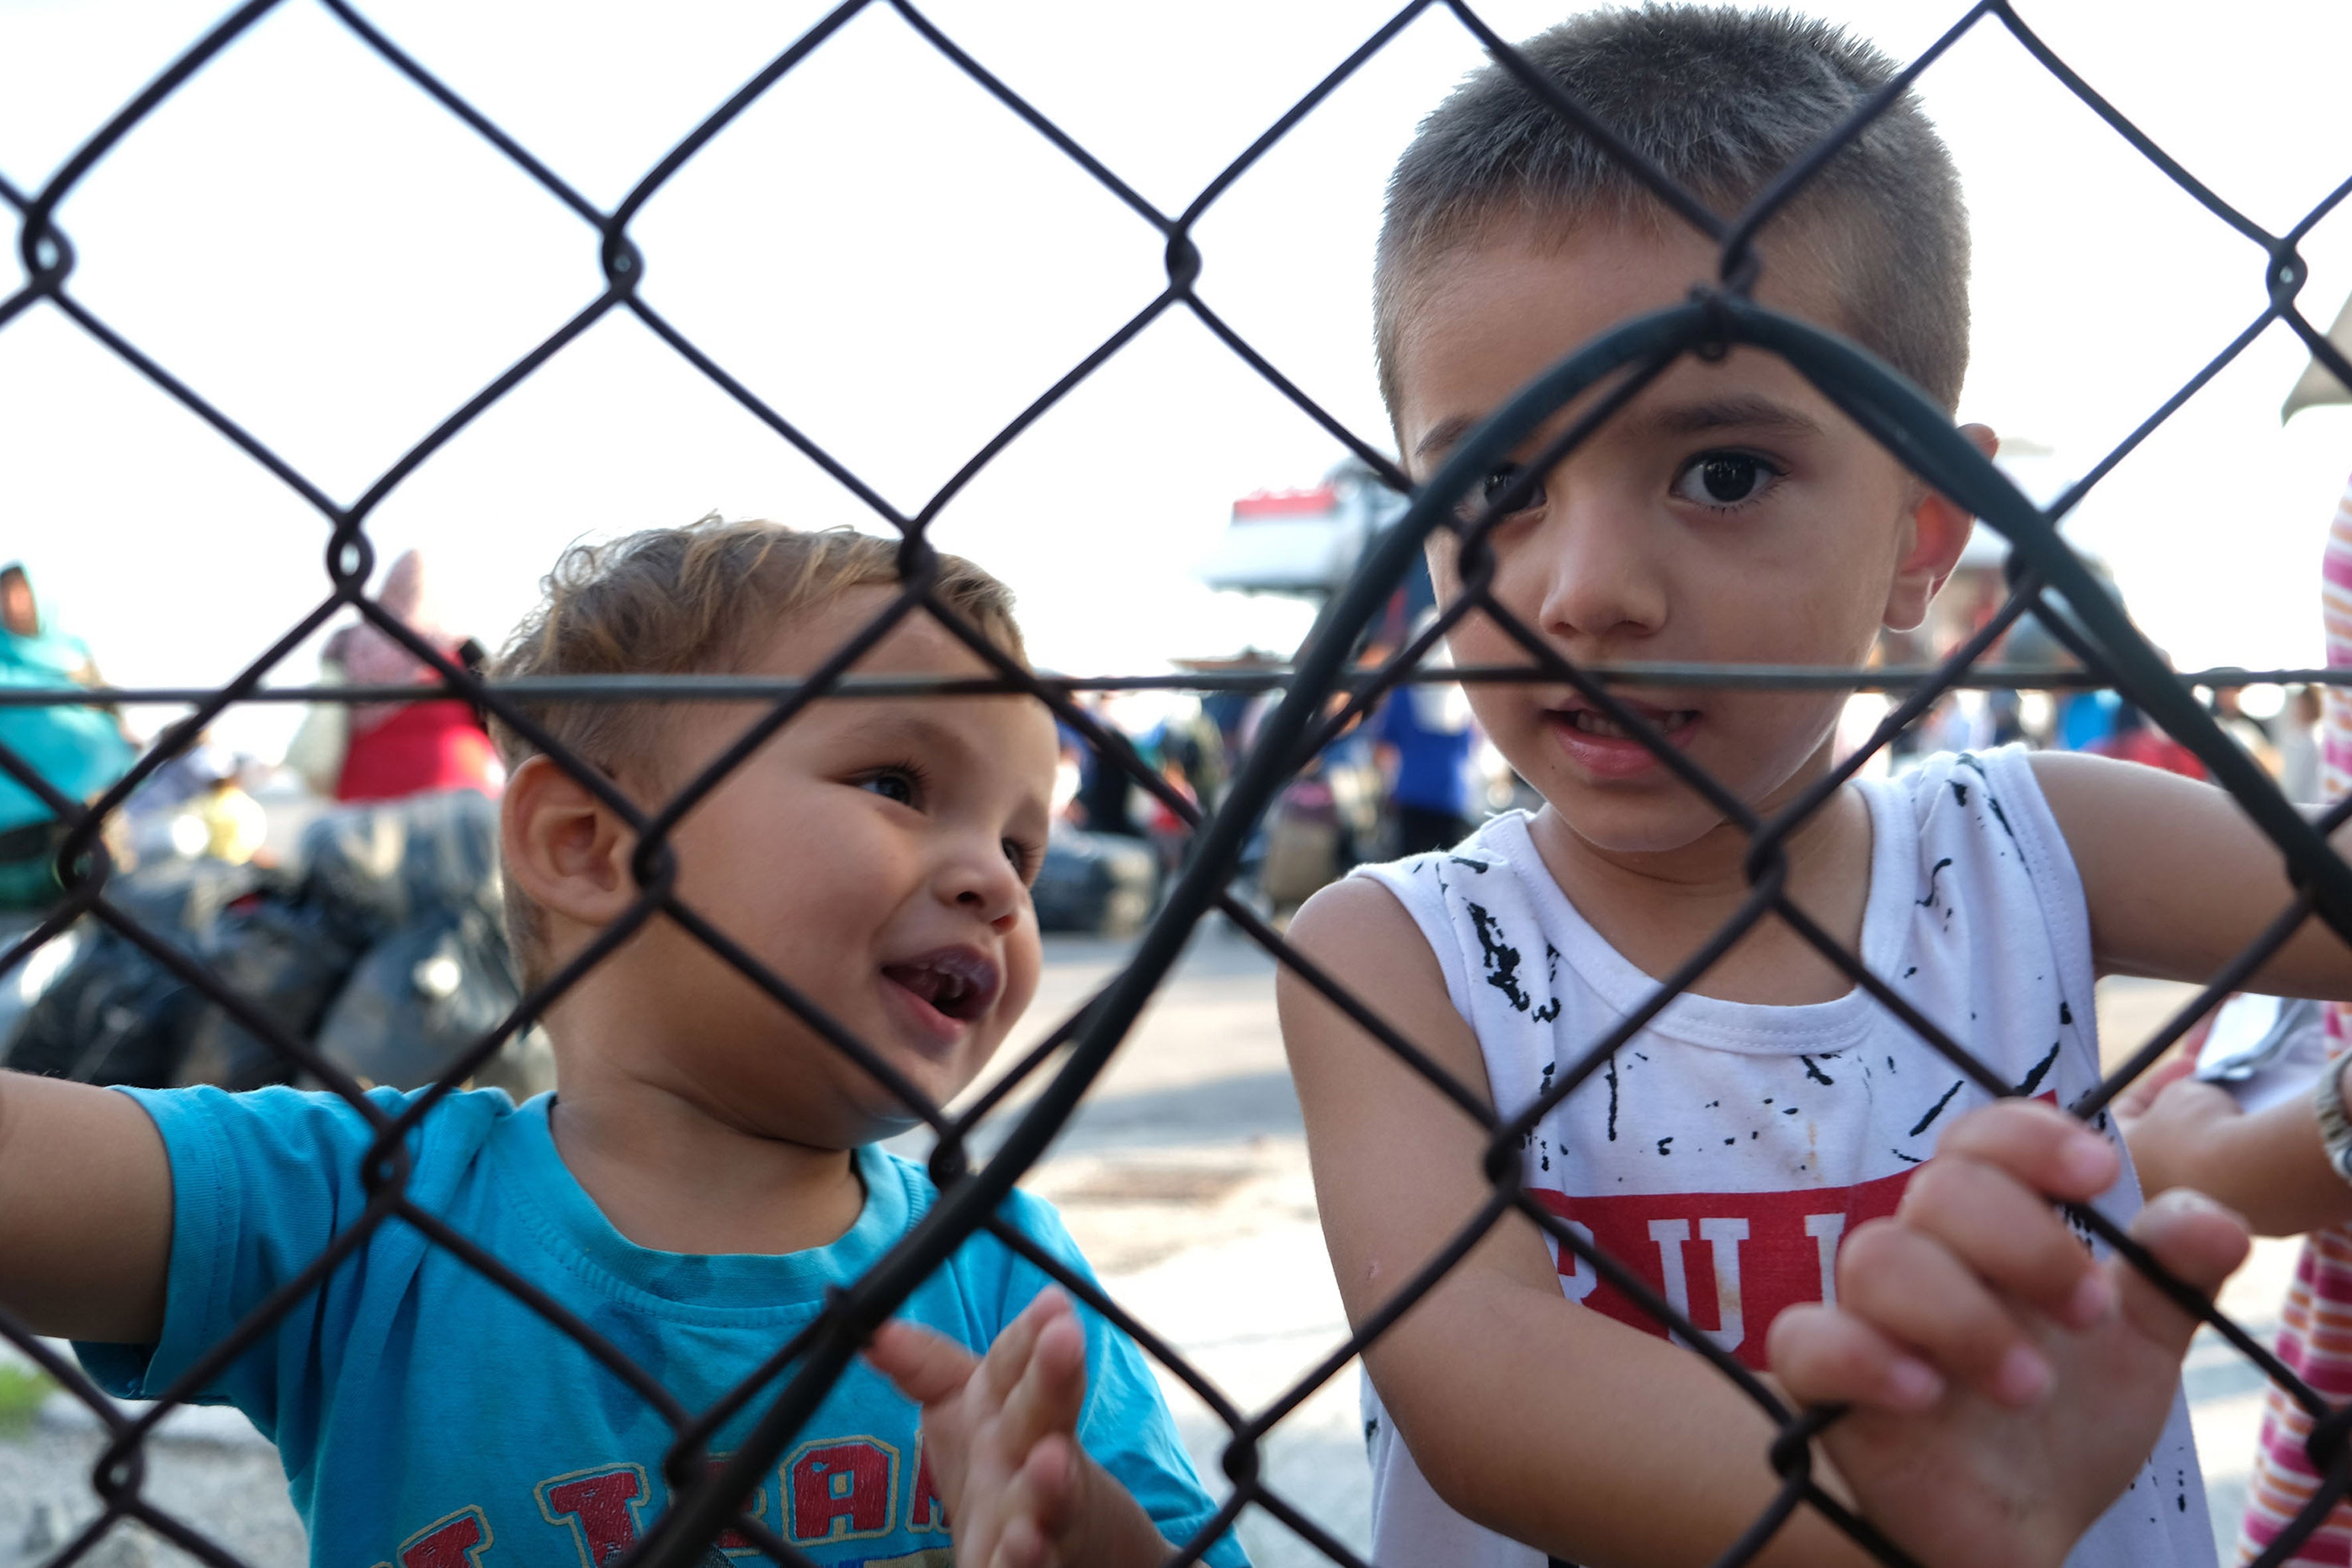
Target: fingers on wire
(2199,1242)
(1947,1289)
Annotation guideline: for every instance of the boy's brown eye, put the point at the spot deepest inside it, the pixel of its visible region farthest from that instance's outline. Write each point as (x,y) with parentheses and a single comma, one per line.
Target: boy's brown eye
(1490,489)
(1725,479)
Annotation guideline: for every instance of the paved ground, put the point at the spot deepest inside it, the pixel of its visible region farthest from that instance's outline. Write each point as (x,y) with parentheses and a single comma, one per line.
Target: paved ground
(1184,1178)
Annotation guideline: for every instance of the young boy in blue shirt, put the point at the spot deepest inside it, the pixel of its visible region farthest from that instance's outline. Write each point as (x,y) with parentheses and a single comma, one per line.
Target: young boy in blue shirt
(707,1169)
(1771,1113)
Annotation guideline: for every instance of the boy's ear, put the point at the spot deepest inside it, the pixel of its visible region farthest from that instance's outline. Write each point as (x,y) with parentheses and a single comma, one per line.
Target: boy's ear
(1937,531)
(566,850)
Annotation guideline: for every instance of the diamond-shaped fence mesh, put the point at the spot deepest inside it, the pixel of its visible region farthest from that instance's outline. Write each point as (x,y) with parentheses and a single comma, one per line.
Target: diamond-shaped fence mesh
(1319,698)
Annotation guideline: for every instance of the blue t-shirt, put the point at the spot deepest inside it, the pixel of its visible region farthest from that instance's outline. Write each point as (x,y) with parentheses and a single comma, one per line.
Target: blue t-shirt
(429,1419)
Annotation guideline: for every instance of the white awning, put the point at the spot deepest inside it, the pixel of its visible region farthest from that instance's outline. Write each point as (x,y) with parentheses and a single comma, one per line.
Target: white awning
(2319,385)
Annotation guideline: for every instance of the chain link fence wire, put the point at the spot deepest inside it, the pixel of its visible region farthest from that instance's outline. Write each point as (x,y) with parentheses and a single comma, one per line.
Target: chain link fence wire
(706,1493)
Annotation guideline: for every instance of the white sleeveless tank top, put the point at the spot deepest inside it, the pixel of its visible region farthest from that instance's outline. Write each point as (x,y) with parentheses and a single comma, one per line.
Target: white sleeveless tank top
(1725,1151)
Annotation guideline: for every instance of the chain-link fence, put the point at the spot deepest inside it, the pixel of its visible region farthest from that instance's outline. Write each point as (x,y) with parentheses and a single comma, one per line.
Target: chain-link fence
(1320,698)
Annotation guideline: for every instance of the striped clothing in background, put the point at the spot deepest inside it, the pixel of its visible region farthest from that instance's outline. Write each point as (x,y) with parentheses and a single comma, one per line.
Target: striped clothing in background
(2316,1340)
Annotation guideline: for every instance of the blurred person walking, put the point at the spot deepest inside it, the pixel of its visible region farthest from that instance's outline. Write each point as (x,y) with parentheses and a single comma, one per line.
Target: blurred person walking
(2294,732)
(2133,741)
(77,750)
(2240,726)
(1423,742)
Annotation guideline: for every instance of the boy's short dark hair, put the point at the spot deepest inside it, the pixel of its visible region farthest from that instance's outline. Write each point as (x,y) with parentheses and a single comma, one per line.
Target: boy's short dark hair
(1722,100)
(697,600)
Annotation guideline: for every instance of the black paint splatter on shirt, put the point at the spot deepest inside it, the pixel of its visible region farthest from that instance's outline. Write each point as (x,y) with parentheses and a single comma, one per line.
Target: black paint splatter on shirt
(1933,872)
(1501,959)
(1938,1109)
(1992,801)
(2041,1070)
(1550,1010)
(1609,1072)
(1815,1073)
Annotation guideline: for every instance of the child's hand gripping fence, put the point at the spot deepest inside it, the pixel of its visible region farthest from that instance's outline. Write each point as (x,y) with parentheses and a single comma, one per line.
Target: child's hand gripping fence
(789,1386)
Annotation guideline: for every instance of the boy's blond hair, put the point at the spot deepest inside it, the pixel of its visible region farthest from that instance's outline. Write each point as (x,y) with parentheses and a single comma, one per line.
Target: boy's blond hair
(697,600)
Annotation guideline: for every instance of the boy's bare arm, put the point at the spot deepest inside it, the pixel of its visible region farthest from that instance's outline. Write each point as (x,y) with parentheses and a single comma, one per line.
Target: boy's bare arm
(1550,1424)
(2179,880)
(84,1211)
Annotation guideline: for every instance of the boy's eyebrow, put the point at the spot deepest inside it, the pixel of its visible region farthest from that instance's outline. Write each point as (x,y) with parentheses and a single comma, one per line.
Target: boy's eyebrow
(1676,419)
(1726,413)
(1442,436)
(896,723)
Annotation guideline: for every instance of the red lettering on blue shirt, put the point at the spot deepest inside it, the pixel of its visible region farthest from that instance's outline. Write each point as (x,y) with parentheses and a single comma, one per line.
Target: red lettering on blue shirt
(841,1489)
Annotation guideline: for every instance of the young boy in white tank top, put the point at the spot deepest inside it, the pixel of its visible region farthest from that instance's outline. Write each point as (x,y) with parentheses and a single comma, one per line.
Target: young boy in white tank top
(1728,513)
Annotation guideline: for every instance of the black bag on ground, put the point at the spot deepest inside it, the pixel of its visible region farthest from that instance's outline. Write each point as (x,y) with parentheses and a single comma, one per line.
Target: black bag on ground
(422,997)
(1095,882)
(285,960)
(117,1014)
(389,955)
(375,868)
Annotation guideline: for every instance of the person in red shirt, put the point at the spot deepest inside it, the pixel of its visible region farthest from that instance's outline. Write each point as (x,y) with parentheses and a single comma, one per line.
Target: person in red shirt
(400,749)
(2134,741)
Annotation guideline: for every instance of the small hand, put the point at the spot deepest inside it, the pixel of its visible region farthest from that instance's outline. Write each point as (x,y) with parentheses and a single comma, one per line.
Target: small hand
(2179,1129)
(1000,1436)
(2141,1094)
(2005,1387)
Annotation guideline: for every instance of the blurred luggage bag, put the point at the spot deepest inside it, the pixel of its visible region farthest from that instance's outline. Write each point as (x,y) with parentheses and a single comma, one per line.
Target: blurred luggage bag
(415,882)
(421,999)
(114,1014)
(376,868)
(389,956)
(1100,883)
(1302,844)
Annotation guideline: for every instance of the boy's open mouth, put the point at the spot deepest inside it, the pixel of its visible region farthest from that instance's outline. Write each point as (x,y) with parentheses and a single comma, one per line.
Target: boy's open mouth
(1591,722)
(956,981)
(1607,749)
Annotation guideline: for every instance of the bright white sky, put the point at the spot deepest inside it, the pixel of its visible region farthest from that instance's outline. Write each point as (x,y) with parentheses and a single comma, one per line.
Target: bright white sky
(899,265)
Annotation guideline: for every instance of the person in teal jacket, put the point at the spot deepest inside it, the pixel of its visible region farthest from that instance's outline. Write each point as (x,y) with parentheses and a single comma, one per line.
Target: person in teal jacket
(77,750)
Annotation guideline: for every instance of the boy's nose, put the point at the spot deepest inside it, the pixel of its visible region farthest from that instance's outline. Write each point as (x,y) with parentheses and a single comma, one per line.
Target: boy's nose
(983,882)
(1600,580)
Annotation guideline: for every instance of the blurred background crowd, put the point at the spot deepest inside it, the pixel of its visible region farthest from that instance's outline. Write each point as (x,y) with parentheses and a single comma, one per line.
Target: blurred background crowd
(348,889)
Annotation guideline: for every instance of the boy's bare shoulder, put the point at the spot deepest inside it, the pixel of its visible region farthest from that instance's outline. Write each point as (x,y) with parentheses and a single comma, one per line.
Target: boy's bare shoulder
(2078,775)
(1359,932)
(1353,915)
